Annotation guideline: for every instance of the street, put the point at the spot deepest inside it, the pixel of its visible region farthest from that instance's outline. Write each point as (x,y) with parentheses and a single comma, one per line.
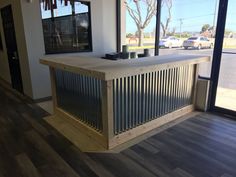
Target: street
(228,64)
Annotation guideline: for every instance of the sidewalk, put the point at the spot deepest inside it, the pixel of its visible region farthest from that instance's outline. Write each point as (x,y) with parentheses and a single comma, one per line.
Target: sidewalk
(226,98)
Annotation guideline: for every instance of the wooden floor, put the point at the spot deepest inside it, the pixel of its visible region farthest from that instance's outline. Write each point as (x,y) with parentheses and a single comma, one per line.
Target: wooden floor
(202,146)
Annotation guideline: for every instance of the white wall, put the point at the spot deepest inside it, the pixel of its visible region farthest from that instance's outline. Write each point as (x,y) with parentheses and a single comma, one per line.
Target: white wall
(31,45)
(109,25)
(35,49)
(103,20)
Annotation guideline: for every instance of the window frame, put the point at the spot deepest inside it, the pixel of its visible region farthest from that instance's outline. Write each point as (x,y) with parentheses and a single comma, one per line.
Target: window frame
(158,25)
(90,41)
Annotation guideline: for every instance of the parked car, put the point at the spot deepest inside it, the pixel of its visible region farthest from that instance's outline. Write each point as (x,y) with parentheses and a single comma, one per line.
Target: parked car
(197,42)
(170,41)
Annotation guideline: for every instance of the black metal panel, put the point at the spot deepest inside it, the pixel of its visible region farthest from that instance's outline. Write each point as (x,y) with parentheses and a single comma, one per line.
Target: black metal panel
(215,70)
(158,26)
(80,96)
(217,55)
(142,98)
(118,25)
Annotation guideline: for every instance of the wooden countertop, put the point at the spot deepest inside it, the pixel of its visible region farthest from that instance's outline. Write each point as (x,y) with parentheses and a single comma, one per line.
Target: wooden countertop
(109,69)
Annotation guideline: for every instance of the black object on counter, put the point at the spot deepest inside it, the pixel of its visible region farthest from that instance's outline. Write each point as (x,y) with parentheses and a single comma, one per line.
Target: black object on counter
(124,49)
(147,53)
(141,55)
(112,56)
(125,55)
(116,56)
(133,55)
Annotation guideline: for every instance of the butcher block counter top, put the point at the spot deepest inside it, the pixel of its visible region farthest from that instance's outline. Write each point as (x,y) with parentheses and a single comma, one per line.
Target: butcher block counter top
(111,69)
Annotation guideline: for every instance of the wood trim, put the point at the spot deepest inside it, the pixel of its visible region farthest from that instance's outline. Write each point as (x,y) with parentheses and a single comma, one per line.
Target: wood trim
(89,131)
(196,71)
(109,70)
(74,68)
(140,130)
(49,98)
(107,110)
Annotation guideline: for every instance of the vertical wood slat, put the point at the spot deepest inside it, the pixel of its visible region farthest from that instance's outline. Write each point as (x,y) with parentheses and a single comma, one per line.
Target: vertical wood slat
(194,87)
(107,109)
(145,97)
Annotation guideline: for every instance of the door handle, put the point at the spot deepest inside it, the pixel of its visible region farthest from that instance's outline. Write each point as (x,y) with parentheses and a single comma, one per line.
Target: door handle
(15,56)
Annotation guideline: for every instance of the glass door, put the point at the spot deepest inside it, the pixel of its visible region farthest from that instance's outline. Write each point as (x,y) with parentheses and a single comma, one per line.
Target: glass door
(225,88)
(187,30)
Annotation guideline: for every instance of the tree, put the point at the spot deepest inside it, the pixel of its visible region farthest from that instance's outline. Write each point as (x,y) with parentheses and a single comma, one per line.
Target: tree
(205,28)
(141,16)
(228,33)
(172,33)
(129,35)
(165,26)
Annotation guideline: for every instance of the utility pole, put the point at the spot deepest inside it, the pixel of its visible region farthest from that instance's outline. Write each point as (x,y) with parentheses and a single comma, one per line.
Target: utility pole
(214,19)
(180,26)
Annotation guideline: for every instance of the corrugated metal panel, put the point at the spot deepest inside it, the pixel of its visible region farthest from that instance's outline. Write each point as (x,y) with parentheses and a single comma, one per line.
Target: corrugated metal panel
(80,96)
(142,98)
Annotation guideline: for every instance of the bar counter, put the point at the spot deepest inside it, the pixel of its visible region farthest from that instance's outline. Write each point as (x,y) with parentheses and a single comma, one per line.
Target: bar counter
(112,69)
(113,102)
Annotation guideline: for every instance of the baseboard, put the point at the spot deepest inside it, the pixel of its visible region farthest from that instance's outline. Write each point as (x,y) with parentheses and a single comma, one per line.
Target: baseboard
(49,98)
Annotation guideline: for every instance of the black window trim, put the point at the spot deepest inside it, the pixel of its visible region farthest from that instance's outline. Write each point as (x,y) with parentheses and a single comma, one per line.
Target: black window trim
(118,26)
(88,3)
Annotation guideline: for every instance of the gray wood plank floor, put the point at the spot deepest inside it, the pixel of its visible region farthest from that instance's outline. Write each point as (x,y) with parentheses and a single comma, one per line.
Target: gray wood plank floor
(202,146)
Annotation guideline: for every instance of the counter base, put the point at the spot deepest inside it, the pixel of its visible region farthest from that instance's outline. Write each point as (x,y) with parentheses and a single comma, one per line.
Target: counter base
(74,135)
(85,143)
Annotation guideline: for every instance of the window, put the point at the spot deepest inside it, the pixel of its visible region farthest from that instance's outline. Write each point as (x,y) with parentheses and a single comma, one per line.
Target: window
(66,26)
(139,25)
(194,24)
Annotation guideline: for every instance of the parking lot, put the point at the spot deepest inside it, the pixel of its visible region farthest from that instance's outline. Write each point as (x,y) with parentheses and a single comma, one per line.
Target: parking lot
(228,64)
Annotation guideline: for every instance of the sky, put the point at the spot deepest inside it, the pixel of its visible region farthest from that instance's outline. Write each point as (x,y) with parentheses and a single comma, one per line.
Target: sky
(63,10)
(194,14)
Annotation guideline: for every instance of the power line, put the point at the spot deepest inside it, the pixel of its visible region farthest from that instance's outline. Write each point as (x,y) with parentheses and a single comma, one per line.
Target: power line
(194,17)
(192,26)
(191,2)
(180,25)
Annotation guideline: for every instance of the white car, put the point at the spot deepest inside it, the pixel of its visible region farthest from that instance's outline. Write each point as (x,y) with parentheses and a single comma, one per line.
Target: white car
(170,41)
(198,43)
